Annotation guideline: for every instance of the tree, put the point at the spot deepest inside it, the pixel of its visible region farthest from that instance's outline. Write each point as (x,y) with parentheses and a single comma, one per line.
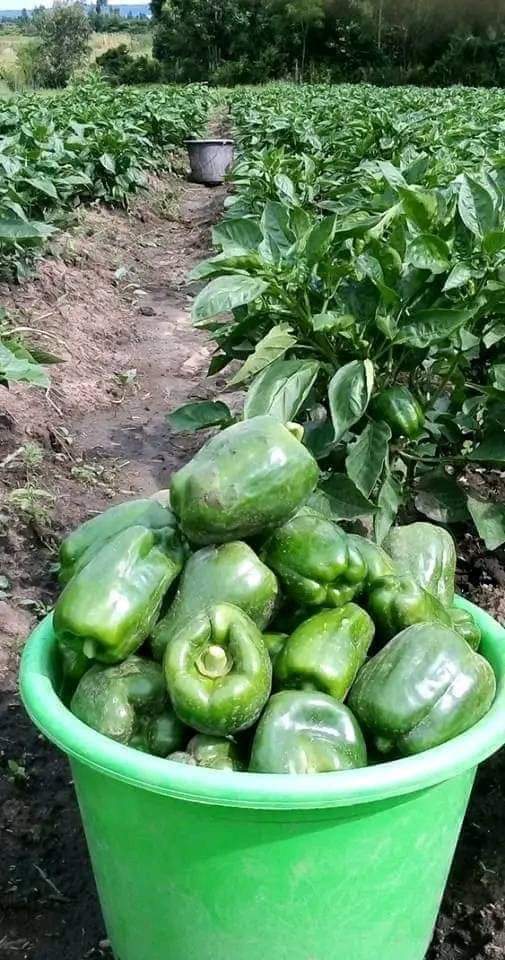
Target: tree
(63,43)
(195,36)
(305,14)
(388,41)
(296,18)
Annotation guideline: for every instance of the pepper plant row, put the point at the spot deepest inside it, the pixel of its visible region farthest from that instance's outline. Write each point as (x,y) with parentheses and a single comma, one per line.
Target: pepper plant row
(89,143)
(358,287)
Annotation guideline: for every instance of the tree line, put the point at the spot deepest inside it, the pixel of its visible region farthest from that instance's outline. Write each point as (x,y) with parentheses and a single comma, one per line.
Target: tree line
(383,41)
(227,42)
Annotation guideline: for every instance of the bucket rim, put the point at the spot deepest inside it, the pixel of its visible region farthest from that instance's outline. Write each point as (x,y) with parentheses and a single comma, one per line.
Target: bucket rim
(383,781)
(210,141)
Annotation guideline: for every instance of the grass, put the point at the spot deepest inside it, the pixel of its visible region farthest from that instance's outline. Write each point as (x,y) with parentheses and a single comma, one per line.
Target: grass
(11,43)
(9,46)
(138,44)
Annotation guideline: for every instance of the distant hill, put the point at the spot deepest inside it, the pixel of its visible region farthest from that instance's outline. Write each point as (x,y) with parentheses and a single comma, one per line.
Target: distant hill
(131,9)
(122,9)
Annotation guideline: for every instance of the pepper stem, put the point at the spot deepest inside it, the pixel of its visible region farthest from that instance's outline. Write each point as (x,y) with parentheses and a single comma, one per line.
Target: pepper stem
(296,429)
(214,662)
(89,649)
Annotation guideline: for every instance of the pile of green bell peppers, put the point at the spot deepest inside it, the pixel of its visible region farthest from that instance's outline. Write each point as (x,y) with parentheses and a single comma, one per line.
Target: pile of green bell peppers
(231,624)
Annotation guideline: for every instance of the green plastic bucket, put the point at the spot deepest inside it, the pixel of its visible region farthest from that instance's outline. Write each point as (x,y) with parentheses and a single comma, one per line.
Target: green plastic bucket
(198,864)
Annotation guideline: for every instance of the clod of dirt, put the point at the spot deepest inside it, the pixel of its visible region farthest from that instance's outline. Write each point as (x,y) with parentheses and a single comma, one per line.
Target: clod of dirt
(15,624)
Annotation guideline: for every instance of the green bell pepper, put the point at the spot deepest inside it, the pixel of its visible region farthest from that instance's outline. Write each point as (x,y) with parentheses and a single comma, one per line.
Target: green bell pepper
(326,652)
(109,608)
(274,643)
(378,563)
(306,732)
(218,753)
(250,478)
(288,618)
(427,553)
(230,573)
(128,702)
(425,687)
(400,410)
(218,671)
(74,664)
(395,603)
(464,624)
(315,562)
(83,543)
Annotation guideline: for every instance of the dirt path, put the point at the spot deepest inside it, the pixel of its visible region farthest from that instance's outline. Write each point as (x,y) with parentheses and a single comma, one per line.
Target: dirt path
(117,294)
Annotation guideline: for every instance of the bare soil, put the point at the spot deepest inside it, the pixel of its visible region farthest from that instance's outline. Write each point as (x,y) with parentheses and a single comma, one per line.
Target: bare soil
(112,299)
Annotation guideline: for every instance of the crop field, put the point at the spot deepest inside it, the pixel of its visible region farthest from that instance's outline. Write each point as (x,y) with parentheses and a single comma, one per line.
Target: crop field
(349,277)
(364,245)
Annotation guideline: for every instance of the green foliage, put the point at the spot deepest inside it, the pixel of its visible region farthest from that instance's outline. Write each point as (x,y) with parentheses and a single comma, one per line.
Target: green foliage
(17,364)
(119,67)
(386,42)
(19,361)
(112,22)
(474,61)
(90,142)
(364,248)
(194,38)
(200,415)
(62,44)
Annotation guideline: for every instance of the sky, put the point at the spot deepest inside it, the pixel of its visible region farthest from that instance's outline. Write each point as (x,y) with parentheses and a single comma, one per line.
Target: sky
(19,4)
(29,4)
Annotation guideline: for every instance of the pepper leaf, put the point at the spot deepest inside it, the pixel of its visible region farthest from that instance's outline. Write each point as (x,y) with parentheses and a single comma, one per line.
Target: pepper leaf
(428,326)
(492,449)
(199,416)
(494,241)
(320,504)
(489,518)
(226,293)
(270,348)
(428,252)
(277,232)
(331,321)
(476,207)
(18,230)
(420,206)
(285,187)
(346,500)
(388,502)
(458,277)
(13,368)
(349,392)
(440,498)
(319,438)
(494,334)
(319,238)
(281,388)
(237,233)
(366,456)
(225,263)
(42,185)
